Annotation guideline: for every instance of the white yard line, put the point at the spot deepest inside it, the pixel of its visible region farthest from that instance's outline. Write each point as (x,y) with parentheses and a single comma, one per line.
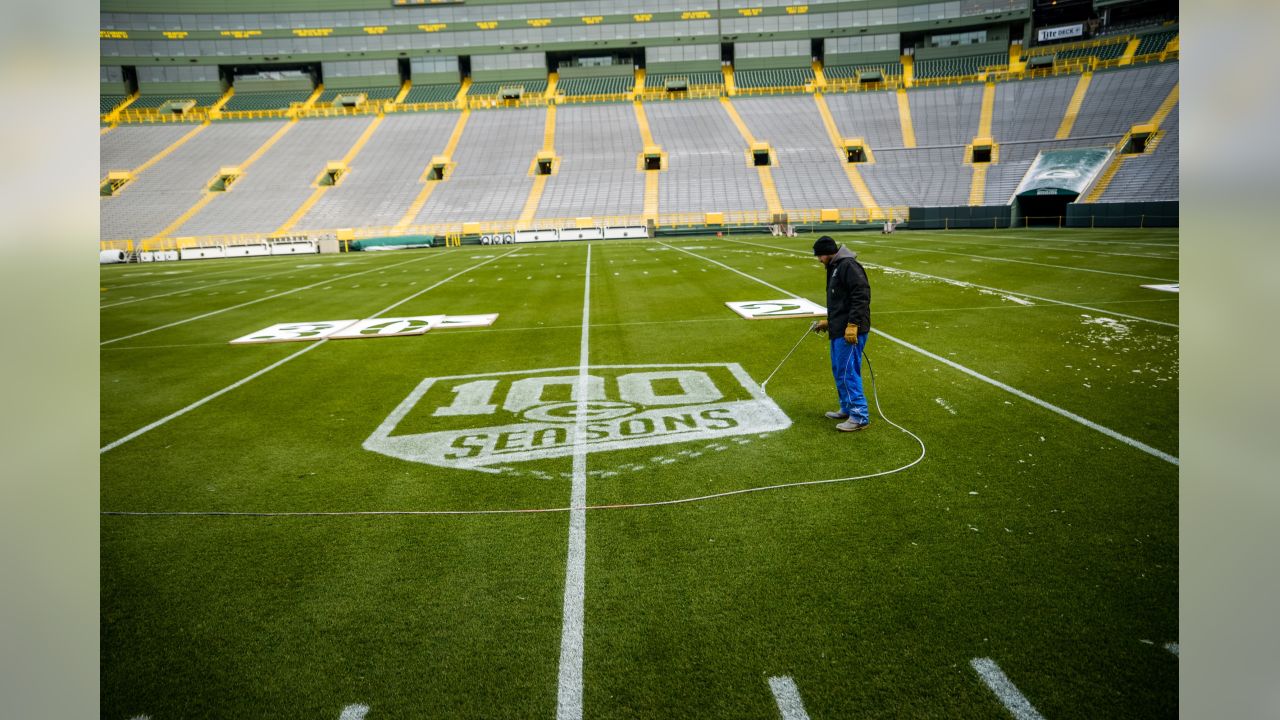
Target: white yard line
(1173,648)
(354,712)
(569,695)
(310,346)
(1072,268)
(262,299)
(787,695)
(1012,699)
(937,237)
(980,287)
(979,376)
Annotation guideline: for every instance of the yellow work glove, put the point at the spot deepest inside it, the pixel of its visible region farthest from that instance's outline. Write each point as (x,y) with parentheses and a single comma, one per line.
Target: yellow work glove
(819,326)
(851,334)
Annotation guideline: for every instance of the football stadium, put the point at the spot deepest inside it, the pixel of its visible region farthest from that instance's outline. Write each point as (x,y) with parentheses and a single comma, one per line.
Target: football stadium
(600,456)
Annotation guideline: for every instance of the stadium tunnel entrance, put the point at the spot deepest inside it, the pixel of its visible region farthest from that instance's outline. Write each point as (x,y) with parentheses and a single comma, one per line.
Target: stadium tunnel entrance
(1042,208)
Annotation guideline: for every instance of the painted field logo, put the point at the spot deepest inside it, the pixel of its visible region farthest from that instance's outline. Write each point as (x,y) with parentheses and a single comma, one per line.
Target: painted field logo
(478,421)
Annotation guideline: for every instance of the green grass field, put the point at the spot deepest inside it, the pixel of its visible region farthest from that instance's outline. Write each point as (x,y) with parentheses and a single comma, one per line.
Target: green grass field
(1040,529)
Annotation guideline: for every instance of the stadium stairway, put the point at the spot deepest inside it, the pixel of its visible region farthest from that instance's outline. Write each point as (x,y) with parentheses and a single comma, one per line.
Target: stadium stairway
(763,171)
(1118,159)
(850,169)
(730,88)
(978,184)
(209,195)
(908,70)
(1126,57)
(539,179)
(904,118)
(322,188)
(651,179)
(1073,107)
(819,78)
(405,87)
(428,186)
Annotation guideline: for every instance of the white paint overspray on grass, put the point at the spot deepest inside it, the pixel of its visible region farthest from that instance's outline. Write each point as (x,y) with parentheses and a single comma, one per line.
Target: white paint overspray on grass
(990,381)
(273,366)
(1022,262)
(934,237)
(569,693)
(354,712)
(965,284)
(250,302)
(787,695)
(1012,699)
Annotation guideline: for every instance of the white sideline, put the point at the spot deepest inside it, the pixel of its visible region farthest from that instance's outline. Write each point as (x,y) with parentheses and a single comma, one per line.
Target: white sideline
(262,299)
(569,694)
(354,712)
(1012,699)
(975,374)
(983,287)
(276,364)
(787,695)
(1025,262)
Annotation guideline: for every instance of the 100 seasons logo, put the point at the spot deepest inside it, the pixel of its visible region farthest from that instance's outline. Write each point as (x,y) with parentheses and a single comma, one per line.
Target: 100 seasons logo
(475,422)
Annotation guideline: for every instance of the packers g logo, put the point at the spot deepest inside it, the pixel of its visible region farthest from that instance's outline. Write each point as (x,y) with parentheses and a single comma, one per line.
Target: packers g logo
(474,422)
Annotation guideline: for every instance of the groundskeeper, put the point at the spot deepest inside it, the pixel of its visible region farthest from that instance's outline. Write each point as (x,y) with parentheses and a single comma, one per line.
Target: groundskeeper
(847,324)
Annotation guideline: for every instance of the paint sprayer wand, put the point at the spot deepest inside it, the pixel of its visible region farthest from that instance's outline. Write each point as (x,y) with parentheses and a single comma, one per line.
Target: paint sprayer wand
(808,330)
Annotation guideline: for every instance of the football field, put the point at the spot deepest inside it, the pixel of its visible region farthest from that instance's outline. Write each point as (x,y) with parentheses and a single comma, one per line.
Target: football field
(594,507)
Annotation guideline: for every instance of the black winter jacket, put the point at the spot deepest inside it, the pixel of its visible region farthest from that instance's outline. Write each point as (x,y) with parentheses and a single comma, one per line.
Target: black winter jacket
(848,294)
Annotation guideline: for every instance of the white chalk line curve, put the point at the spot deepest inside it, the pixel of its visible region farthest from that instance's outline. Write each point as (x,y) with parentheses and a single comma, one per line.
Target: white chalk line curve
(311,346)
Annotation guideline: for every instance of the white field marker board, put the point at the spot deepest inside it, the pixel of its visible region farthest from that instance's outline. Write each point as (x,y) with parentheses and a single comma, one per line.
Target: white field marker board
(389,327)
(367,328)
(776,309)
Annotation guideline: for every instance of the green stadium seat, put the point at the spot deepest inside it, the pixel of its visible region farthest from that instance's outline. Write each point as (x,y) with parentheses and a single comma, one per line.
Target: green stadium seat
(777,77)
(695,79)
(265,100)
(596,85)
(958,66)
(1155,42)
(386,92)
(847,72)
(432,93)
(483,89)
(107,103)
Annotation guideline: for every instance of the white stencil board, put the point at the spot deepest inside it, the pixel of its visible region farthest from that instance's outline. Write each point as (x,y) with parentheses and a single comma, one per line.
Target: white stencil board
(389,327)
(775,309)
(294,332)
(467,321)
